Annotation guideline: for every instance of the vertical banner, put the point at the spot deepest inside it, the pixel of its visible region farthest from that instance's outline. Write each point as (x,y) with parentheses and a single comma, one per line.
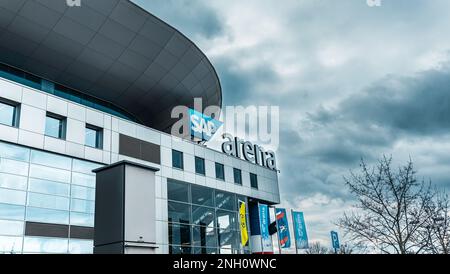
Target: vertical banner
(243,223)
(301,237)
(284,237)
(335,240)
(266,241)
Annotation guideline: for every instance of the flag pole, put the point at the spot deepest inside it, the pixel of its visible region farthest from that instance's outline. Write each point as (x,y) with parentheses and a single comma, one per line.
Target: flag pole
(278,233)
(295,231)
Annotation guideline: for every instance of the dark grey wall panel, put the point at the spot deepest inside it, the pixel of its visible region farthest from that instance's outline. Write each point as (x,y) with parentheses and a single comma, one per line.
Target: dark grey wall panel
(139,149)
(81,232)
(46,230)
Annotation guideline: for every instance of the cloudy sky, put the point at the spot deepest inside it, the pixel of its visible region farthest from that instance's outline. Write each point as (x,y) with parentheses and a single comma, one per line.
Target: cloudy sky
(351,81)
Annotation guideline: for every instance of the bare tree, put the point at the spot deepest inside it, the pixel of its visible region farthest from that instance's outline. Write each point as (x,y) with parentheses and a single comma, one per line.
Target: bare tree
(436,230)
(392,208)
(317,248)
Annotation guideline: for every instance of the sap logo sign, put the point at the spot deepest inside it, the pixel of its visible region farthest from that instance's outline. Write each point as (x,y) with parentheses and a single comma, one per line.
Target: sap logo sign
(203,127)
(252,153)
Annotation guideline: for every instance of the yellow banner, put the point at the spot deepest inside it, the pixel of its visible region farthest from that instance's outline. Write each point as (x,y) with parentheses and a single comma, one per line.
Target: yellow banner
(243,223)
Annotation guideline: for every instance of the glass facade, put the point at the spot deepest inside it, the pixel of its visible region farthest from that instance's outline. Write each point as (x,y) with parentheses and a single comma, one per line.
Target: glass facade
(203,220)
(42,187)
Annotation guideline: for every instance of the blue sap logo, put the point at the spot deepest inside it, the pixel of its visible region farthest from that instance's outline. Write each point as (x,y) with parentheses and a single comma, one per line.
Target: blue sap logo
(202,127)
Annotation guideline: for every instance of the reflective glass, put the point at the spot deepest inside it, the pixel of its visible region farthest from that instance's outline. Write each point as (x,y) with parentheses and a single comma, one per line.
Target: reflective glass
(12,212)
(93,137)
(204,250)
(177,159)
(54,127)
(82,219)
(50,159)
(11,228)
(83,179)
(13,181)
(203,216)
(173,249)
(47,215)
(237,176)
(14,197)
(48,201)
(202,195)
(177,191)
(81,246)
(50,173)
(179,234)
(226,219)
(225,200)
(204,236)
(83,193)
(13,167)
(199,165)
(220,173)
(49,187)
(14,152)
(45,245)
(178,212)
(82,206)
(84,167)
(10,245)
(7,114)
(228,239)
(253,180)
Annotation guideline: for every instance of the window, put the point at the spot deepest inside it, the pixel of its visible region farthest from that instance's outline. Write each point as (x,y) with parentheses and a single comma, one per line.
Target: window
(9,113)
(225,200)
(199,165)
(94,137)
(45,245)
(177,191)
(237,176)
(177,159)
(178,213)
(180,235)
(220,174)
(202,195)
(203,216)
(55,126)
(253,180)
(50,159)
(47,215)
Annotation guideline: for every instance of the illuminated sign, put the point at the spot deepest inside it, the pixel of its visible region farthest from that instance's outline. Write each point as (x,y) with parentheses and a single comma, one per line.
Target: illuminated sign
(202,127)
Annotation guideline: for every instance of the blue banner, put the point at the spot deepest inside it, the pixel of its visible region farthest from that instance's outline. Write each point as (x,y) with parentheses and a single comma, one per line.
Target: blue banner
(301,237)
(335,239)
(202,127)
(264,227)
(283,228)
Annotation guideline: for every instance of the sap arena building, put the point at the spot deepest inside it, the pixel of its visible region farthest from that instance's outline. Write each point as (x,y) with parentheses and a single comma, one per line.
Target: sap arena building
(91,88)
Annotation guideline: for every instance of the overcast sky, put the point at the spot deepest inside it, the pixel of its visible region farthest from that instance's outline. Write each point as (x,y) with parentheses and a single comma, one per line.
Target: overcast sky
(351,81)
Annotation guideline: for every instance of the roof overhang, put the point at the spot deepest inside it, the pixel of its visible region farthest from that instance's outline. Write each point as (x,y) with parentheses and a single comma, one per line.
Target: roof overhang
(112,50)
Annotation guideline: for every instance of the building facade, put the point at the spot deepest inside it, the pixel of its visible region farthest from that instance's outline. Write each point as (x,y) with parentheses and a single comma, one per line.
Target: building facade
(59,121)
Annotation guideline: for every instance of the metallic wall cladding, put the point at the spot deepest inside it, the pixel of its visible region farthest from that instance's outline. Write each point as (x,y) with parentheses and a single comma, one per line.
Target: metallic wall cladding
(139,149)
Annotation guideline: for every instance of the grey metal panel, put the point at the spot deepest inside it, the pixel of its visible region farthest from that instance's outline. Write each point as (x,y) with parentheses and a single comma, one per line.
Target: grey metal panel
(81,232)
(109,205)
(139,149)
(150,152)
(46,230)
(114,248)
(109,49)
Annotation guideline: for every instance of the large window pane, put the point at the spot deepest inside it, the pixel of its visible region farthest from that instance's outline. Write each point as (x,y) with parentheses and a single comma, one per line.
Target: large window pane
(48,201)
(7,114)
(10,245)
(84,193)
(253,181)
(226,219)
(179,234)
(177,191)
(81,246)
(83,179)
(13,167)
(11,228)
(237,176)
(204,236)
(83,206)
(14,197)
(13,181)
(45,245)
(12,212)
(203,216)
(55,126)
(228,239)
(81,219)
(84,167)
(178,212)
(202,195)
(93,137)
(49,187)
(50,159)
(14,152)
(177,159)
(47,215)
(225,200)
(220,172)
(175,249)
(204,250)
(49,173)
